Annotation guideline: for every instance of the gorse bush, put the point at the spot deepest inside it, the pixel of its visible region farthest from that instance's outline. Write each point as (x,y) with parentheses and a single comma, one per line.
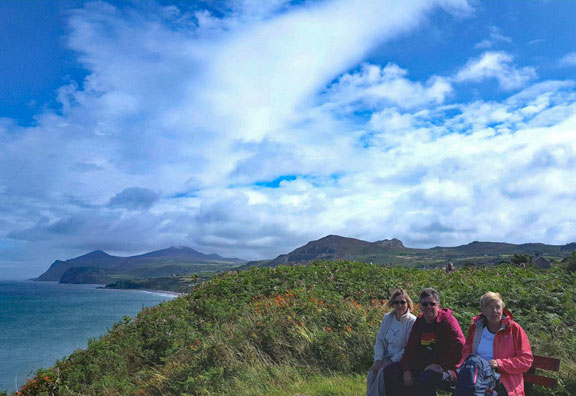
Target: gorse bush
(265,331)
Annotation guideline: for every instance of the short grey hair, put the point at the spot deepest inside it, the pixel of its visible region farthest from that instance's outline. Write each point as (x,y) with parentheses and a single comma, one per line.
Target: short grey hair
(429,292)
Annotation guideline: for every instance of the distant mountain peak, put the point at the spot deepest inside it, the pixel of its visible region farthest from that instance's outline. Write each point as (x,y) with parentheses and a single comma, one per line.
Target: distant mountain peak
(185,252)
(336,239)
(180,248)
(333,236)
(393,243)
(95,254)
(329,238)
(173,250)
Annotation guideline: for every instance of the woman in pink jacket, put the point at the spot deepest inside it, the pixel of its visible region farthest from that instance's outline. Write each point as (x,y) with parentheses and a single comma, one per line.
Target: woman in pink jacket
(502,342)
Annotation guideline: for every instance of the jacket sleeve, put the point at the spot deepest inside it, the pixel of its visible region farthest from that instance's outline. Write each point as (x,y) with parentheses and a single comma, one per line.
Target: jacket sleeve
(410,348)
(467,348)
(380,344)
(523,359)
(453,355)
(398,356)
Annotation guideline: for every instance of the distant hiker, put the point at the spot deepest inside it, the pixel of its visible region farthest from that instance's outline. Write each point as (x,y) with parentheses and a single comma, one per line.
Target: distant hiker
(495,337)
(433,352)
(391,339)
(450,268)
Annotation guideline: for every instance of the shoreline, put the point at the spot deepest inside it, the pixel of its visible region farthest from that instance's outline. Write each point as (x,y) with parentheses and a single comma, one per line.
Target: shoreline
(105,286)
(153,291)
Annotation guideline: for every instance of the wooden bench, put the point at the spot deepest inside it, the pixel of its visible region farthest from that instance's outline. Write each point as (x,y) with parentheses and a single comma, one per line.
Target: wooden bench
(542,363)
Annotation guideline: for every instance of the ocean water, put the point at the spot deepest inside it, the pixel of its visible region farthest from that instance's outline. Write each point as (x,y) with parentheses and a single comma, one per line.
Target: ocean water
(41,322)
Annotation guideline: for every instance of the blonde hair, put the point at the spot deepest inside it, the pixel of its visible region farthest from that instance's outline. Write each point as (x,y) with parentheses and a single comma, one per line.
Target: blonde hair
(489,297)
(400,292)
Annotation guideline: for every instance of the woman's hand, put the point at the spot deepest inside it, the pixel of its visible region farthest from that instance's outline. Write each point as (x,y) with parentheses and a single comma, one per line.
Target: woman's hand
(378,364)
(493,363)
(408,380)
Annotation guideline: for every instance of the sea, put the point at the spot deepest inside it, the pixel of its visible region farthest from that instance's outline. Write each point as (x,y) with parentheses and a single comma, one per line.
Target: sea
(42,322)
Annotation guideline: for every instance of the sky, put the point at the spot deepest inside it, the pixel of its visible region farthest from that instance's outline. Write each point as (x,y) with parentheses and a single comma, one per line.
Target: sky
(248,128)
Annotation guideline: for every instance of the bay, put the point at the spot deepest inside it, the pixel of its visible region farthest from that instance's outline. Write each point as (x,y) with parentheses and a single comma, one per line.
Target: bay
(41,322)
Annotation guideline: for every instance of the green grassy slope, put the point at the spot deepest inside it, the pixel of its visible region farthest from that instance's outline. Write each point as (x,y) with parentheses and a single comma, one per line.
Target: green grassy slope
(298,330)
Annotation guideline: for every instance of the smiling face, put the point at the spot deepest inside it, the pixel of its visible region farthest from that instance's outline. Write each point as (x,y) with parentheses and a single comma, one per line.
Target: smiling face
(400,304)
(493,312)
(429,307)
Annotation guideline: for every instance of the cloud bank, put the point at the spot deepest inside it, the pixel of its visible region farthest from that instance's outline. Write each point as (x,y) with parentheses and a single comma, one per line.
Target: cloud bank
(252,132)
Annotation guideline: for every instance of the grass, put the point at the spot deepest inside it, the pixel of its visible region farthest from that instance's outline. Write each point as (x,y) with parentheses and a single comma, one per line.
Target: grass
(298,330)
(285,380)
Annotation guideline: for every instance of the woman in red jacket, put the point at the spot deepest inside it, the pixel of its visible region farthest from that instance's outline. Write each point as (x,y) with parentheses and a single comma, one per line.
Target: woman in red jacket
(502,342)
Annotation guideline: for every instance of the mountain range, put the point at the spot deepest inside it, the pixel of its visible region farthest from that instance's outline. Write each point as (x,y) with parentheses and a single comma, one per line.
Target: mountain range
(101,267)
(393,252)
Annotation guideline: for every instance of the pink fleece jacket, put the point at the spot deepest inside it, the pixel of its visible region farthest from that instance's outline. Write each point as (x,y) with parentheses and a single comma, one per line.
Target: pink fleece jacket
(512,351)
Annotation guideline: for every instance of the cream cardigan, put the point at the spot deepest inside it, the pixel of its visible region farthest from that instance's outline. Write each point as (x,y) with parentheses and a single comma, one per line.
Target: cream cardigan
(380,347)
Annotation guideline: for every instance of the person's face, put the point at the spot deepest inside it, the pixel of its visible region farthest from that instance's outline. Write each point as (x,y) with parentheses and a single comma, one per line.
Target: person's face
(493,312)
(400,304)
(429,307)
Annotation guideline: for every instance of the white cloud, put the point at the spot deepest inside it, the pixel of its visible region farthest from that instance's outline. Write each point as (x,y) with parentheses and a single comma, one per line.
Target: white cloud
(186,104)
(375,87)
(201,108)
(568,60)
(495,38)
(497,65)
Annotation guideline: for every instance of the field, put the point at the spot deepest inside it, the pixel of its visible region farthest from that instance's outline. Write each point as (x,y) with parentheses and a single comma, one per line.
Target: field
(299,330)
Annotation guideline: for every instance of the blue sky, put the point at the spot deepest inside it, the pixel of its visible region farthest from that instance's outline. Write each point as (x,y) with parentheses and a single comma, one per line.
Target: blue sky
(248,128)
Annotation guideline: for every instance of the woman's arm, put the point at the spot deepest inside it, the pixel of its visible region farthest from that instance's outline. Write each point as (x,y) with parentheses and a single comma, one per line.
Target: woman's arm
(522,360)
(380,344)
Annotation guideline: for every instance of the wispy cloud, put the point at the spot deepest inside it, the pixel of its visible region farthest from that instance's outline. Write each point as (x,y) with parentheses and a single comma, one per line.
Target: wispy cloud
(497,65)
(374,87)
(569,60)
(496,37)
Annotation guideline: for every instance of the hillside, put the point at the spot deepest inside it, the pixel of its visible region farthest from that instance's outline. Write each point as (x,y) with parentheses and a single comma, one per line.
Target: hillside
(393,252)
(304,330)
(334,247)
(173,261)
(96,259)
(85,275)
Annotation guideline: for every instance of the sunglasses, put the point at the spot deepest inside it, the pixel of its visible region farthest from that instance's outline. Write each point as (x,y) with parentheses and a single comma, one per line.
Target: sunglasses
(401,302)
(428,304)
